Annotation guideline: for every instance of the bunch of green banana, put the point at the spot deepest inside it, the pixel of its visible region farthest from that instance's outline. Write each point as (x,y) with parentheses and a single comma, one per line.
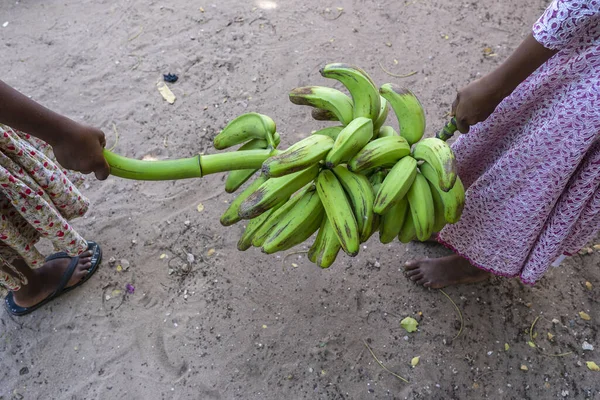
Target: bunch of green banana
(345,182)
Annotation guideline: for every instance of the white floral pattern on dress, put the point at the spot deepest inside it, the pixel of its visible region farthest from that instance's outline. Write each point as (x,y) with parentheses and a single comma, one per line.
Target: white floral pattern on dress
(533,167)
(37,199)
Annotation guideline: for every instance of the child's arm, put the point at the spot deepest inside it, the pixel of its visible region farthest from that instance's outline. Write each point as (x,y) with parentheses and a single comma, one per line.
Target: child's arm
(479,99)
(76,147)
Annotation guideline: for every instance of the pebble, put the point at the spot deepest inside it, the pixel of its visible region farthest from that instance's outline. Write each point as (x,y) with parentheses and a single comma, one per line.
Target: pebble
(564,393)
(587,346)
(124,263)
(190,258)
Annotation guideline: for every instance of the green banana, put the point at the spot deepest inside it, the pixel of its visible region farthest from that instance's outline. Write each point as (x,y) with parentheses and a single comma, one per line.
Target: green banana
(387,130)
(376,179)
(439,155)
(359,191)
(332,131)
(392,221)
(246,127)
(384,152)
(237,178)
(297,225)
(326,98)
(252,227)
(407,233)
(438,207)
(231,215)
(299,156)
(454,200)
(383,114)
(421,206)
(396,184)
(275,190)
(326,247)
(366,99)
(280,211)
(350,140)
(338,211)
(320,114)
(408,110)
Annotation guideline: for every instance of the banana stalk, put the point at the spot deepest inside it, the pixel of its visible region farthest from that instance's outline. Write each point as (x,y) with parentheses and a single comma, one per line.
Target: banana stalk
(162,170)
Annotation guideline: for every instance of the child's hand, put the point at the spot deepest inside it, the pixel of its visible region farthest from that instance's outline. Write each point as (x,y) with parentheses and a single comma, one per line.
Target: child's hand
(80,149)
(475,103)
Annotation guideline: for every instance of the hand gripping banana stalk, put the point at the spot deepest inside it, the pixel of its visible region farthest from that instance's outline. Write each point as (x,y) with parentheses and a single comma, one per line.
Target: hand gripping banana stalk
(343,182)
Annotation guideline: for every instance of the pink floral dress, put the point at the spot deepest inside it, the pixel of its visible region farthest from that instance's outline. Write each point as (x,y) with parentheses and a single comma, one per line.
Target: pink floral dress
(533,168)
(37,198)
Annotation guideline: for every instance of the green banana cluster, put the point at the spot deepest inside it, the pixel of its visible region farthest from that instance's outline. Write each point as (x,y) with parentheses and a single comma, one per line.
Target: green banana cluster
(343,182)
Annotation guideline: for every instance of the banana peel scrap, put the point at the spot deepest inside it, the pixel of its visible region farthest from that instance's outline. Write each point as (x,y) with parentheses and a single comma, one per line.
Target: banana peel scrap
(592,366)
(409,324)
(584,316)
(165,92)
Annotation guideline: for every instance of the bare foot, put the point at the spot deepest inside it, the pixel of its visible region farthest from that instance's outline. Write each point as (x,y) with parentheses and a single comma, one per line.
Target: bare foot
(437,273)
(45,279)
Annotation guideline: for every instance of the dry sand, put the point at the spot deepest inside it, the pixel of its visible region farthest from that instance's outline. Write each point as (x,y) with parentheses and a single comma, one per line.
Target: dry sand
(246,325)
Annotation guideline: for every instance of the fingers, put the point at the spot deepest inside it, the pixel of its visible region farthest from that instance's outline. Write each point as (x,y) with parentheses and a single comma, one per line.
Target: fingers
(461,120)
(462,125)
(102,171)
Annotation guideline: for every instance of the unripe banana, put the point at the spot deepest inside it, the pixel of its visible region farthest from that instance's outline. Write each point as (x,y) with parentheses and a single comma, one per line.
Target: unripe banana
(274,191)
(454,200)
(231,215)
(297,225)
(299,156)
(366,99)
(383,114)
(392,221)
(359,191)
(326,247)
(280,211)
(252,227)
(387,130)
(332,131)
(380,153)
(339,211)
(326,98)
(407,233)
(408,110)
(421,207)
(237,178)
(439,155)
(244,128)
(438,206)
(350,140)
(320,114)
(396,184)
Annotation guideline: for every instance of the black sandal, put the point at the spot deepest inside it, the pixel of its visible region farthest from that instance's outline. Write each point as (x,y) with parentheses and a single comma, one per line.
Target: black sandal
(96,258)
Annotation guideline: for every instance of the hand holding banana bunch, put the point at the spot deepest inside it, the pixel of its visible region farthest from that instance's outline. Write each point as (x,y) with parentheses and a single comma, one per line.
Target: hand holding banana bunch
(346,181)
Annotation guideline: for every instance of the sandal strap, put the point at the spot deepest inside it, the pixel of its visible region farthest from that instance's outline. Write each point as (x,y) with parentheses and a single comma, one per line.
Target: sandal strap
(66,276)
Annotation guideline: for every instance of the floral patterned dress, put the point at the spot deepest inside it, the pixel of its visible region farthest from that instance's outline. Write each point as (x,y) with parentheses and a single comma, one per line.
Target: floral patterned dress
(37,199)
(533,168)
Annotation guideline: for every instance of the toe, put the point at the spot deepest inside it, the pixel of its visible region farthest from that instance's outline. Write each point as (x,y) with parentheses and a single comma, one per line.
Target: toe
(416,277)
(409,265)
(412,272)
(422,281)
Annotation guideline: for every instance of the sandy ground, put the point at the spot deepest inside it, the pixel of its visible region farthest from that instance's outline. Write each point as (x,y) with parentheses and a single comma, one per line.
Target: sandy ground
(244,325)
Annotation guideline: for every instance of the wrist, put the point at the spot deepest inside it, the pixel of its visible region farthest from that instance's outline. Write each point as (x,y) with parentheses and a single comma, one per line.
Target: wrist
(65,130)
(499,85)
